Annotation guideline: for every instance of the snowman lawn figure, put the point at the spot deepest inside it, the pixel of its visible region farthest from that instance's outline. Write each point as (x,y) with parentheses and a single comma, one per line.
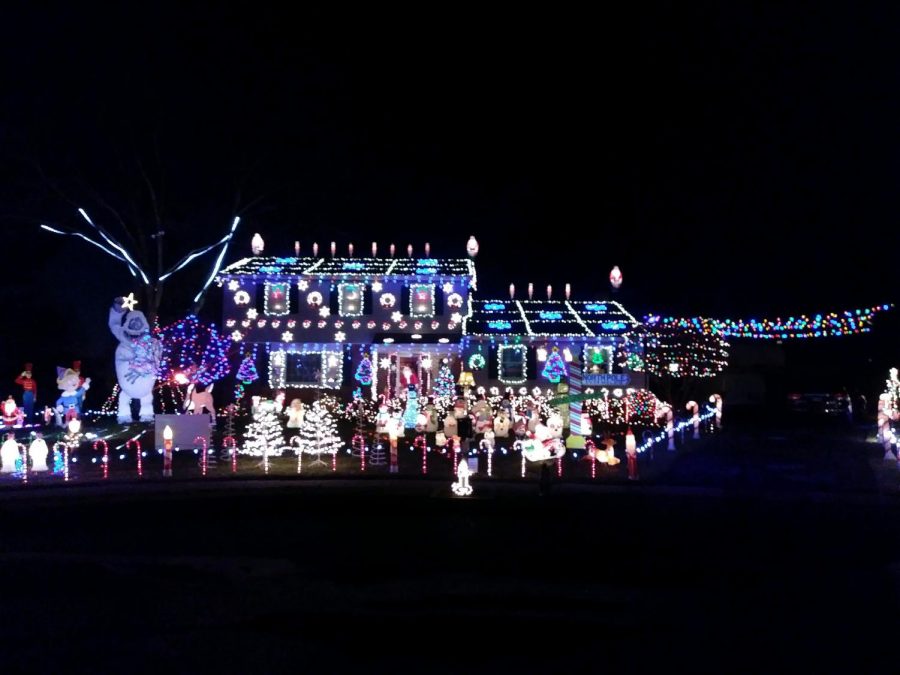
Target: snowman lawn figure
(461,487)
(38,452)
(137,359)
(9,453)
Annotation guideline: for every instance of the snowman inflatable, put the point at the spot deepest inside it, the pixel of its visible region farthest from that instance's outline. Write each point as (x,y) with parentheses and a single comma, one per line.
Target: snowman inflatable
(137,360)
(38,452)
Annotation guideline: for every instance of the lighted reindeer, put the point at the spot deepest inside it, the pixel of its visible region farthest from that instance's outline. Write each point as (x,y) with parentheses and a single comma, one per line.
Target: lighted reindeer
(198,401)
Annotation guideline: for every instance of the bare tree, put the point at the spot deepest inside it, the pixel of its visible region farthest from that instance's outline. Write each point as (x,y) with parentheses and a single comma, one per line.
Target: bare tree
(130,226)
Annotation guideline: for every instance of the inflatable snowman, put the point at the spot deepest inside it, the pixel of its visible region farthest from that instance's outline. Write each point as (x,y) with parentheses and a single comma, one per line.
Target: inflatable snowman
(9,453)
(137,361)
(38,452)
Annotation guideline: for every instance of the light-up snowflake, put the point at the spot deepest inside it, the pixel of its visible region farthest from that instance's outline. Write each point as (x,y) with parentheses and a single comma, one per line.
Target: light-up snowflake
(324,312)
(287,336)
(233,285)
(397,316)
(237,336)
(385,363)
(339,336)
(251,313)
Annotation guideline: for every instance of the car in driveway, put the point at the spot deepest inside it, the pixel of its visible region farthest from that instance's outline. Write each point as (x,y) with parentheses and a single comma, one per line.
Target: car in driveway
(830,404)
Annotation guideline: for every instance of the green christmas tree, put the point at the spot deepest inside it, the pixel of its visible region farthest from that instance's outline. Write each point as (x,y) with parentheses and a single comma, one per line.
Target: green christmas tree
(555,368)
(443,383)
(364,371)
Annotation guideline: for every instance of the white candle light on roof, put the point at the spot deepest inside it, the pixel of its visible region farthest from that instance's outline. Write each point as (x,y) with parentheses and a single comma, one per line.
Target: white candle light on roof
(350,250)
(568,291)
(393,250)
(297,248)
(315,250)
(333,248)
(549,291)
(512,291)
(530,290)
(409,250)
(427,249)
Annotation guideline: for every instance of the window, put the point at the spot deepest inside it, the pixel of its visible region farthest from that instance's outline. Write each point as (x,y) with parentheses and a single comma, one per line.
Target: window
(351,299)
(276,301)
(421,300)
(511,361)
(598,359)
(306,370)
(303,369)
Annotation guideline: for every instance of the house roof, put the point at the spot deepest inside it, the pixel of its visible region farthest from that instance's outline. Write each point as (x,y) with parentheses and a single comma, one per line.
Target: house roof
(350,268)
(551,318)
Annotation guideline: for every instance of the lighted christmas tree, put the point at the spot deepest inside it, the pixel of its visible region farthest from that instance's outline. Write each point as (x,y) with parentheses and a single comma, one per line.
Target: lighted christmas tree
(318,433)
(364,371)
(555,368)
(377,456)
(264,435)
(443,383)
(247,372)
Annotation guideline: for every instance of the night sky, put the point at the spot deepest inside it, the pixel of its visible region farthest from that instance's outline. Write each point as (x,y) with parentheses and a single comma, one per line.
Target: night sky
(732,161)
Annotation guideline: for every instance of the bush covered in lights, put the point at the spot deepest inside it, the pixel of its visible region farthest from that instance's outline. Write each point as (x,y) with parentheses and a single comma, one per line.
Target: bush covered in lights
(672,351)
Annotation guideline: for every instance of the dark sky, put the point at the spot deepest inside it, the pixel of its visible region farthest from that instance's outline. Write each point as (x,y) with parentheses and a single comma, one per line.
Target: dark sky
(733,161)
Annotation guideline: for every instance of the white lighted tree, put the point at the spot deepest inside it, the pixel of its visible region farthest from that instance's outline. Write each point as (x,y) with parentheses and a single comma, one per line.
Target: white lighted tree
(318,433)
(264,435)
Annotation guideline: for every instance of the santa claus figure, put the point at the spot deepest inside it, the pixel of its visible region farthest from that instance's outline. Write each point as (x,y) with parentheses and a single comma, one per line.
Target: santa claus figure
(408,378)
(11,414)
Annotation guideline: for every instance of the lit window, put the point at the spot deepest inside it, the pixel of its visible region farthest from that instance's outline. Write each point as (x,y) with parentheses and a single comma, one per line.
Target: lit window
(350,299)
(421,300)
(277,299)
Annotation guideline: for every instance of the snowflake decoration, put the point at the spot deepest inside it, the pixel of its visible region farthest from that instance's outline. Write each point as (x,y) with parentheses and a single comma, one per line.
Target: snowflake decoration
(456,317)
(303,284)
(339,336)
(376,286)
(324,312)
(397,316)
(251,313)
(233,285)
(448,287)
(385,363)
(287,336)
(237,336)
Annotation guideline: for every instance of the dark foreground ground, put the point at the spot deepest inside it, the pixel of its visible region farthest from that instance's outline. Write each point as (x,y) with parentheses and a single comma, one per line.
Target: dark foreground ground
(737,562)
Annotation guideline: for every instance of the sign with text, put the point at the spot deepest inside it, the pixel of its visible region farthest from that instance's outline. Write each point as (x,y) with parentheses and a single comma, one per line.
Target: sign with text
(624,380)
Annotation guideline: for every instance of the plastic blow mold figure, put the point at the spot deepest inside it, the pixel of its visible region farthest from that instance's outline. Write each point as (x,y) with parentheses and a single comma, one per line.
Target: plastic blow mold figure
(9,453)
(68,405)
(137,360)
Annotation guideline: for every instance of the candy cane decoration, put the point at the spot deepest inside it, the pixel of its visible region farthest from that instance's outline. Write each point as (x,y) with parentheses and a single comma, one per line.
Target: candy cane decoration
(455,445)
(419,444)
(591,449)
(138,455)
(559,467)
(358,444)
(334,461)
(203,458)
(693,408)
(717,400)
(229,440)
(488,447)
(105,459)
(296,441)
(518,446)
(666,411)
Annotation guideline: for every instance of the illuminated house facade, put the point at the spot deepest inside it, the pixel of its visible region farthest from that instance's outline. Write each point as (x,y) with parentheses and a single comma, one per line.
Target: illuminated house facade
(313,320)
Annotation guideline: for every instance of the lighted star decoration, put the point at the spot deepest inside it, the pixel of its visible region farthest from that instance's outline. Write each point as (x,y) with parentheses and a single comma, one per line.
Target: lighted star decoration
(377,286)
(237,336)
(129,301)
(397,316)
(233,285)
(385,363)
(456,317)
(448,287)
(251,313)
(339,336)
(287,336)
(303,284)
(324,312)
